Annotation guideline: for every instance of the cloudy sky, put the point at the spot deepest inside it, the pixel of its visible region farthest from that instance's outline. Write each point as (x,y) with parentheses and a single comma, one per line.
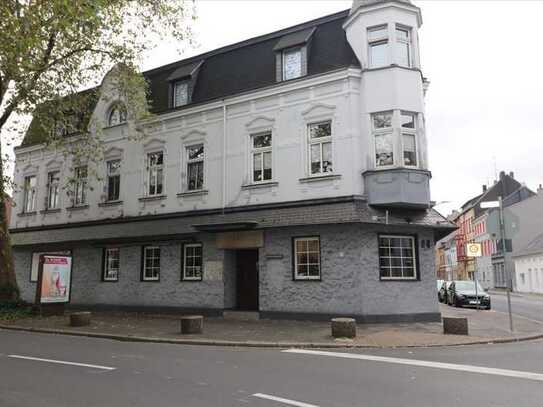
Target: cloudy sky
(483,59)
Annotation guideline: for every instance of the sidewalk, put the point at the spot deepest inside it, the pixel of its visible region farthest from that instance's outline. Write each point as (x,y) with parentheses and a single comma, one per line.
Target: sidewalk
(484,326)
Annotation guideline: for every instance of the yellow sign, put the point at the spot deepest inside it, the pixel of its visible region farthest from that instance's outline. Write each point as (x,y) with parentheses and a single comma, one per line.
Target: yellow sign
(474,250)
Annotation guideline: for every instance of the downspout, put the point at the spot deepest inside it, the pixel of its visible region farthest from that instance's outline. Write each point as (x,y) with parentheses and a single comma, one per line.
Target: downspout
(223,156)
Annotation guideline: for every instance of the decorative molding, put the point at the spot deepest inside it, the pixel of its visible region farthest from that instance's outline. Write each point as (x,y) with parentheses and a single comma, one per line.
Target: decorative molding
(113,152)
(153,144)
(319,109)
(53,164)
(260,122)
(194,134)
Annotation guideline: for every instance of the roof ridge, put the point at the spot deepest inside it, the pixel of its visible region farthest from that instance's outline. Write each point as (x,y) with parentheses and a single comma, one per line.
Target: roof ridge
(250,41)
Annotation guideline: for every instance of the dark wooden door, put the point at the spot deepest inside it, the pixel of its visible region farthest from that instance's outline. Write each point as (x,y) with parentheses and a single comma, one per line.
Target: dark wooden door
(247,279)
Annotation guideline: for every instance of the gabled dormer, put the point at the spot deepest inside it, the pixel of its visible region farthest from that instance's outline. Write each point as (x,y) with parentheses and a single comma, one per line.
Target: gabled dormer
(292,54)
(182,82)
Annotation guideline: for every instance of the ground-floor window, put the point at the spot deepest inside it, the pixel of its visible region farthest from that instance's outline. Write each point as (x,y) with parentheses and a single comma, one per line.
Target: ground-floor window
(307,258)
(192,262)
(111,264)
(397,259)
(151,263)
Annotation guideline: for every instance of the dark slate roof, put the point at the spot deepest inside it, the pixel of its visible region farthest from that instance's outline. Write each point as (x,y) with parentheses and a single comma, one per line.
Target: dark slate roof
(170,226)
(534,247)
(247,65)
(296,38)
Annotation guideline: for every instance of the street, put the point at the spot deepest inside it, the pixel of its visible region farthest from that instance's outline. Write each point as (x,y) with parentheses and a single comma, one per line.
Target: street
(525,306)
(54,370)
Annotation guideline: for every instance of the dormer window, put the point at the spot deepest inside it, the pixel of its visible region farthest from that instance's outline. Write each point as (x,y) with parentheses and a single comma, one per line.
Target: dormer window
(180,93)
(292,64)
(117,115)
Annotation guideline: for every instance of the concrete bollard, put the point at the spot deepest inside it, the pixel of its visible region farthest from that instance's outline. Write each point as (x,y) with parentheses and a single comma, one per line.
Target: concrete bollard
(192,324)
(343,328)
(80,318)
(455,325)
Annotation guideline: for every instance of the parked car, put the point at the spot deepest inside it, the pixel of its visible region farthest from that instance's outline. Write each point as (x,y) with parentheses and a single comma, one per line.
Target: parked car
(442,294)
(462,294)
(439,284)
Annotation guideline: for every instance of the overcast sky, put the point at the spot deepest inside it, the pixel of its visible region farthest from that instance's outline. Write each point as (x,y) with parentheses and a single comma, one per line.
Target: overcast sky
(484,61)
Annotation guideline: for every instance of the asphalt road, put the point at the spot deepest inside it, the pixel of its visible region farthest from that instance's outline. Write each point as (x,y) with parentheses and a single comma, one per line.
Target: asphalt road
(111,373)
(526,306)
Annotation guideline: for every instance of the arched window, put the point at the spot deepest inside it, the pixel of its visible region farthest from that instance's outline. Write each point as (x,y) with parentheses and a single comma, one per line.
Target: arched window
(117,115)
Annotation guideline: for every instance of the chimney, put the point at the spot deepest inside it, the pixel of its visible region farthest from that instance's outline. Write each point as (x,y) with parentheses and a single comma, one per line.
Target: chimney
(512,174)
(502,175)
(540,190)
(484,188)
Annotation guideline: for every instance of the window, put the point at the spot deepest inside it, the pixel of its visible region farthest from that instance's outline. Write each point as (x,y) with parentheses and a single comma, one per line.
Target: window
(113,180)
(403,46)
(80,186)
(320,148)
(409,138)
(180,93)
(53,184)
(397,257)
(195,167)
(29,194)
(378,46)
(151,263)
(261,156)
(292,64)
(117,115)
(192,261)
(307,258)
(111,264)
(155,173)
(384,142)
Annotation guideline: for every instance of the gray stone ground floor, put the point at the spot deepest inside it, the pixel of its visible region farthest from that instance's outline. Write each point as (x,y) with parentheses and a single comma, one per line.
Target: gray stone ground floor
(349,281)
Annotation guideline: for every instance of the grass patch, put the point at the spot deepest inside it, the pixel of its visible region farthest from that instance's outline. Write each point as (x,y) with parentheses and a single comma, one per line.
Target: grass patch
(11,311)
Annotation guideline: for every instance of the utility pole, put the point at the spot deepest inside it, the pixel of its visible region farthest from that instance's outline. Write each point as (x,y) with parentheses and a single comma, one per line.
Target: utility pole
(507,271)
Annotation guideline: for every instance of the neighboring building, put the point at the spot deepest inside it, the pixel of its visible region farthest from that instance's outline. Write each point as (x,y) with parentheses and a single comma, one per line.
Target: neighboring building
(471,222)
(451,264)
(286,174)
(441,264)
(529,267)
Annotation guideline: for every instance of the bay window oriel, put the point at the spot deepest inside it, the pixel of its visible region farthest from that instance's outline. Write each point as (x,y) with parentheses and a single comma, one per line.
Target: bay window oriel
(378,50)
(390,44)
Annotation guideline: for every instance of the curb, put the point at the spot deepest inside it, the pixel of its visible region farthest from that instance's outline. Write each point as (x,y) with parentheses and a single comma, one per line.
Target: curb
(258,344)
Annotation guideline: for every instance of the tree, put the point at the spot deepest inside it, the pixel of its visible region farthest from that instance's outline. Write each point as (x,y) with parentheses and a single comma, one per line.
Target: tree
(52,49)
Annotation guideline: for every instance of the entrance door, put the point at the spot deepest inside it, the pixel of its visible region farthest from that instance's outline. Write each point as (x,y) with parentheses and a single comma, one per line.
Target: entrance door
(247,279)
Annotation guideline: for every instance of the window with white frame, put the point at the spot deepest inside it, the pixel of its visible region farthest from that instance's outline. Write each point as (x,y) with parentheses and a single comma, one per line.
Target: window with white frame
(397,257)
(408,122)
(307,258)
(192,261)
(53,185)
(384,140)
(30,192)
(111,264)
(378,54)
(261,156)
(80,185)
(403,46)
(155,173)
(113,180)
(151,263)
(195,167)
(180,93)
(320,148)
(117,115)
(292,63)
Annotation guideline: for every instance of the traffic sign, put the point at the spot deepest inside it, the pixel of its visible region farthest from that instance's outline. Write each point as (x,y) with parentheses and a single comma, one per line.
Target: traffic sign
(474,250)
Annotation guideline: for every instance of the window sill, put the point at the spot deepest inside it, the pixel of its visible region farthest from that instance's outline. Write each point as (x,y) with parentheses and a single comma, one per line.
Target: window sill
(260,185)
(152,198)
(191,280)
(198,192)
(77,208)
(109,281)
(22,214)
(110,203)
(316,279)
(316,178)
(400,279)
(150,281)
(50,211)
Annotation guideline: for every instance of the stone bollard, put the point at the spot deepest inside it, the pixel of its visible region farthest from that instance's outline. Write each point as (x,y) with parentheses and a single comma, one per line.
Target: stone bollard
(80,318)
(192,324)
(343,328)
(455,325)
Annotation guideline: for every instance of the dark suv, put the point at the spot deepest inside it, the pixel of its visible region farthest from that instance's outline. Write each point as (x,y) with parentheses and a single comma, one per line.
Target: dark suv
(462,294)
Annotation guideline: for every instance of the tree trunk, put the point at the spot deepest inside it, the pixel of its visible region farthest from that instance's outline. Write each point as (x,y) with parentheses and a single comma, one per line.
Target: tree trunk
(8,281)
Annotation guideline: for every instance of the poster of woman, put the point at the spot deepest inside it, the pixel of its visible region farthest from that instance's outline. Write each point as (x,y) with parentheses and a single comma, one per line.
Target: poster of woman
(56,278)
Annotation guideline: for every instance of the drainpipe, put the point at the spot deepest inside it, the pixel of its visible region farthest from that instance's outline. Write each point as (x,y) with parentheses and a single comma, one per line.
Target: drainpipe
(223,156)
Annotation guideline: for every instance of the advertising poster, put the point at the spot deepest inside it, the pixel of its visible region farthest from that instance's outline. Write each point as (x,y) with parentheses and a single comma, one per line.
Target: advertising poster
(56,279)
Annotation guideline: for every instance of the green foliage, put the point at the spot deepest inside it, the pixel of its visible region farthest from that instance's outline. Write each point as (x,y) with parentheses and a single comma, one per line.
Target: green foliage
(13,310)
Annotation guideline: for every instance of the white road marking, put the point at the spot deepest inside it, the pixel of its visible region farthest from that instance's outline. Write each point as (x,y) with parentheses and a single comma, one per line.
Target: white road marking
(282,400)
(61,362)
(424,363)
